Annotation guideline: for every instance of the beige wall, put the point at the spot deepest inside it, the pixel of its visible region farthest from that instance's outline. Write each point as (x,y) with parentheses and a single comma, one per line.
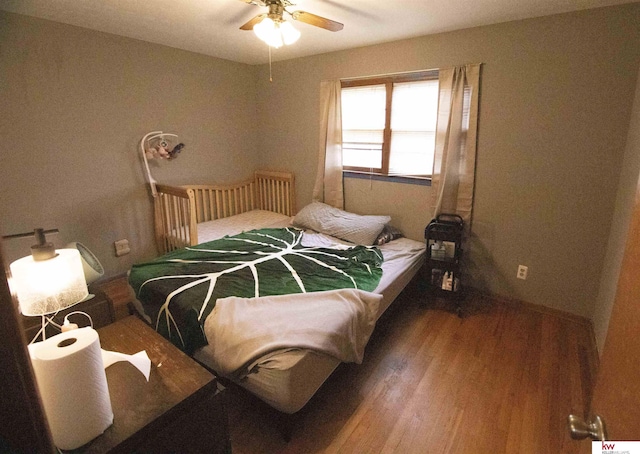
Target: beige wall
(381,197)
(554,114)
(75,104)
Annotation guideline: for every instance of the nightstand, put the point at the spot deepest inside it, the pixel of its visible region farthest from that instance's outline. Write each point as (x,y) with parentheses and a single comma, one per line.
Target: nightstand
(181,408)
(100,308)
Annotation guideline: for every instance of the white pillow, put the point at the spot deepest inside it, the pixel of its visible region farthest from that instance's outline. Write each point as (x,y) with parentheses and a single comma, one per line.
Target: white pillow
(341,224)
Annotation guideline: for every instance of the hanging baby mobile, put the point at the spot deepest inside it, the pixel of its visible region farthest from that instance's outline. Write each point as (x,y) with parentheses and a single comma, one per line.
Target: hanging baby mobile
(159,145)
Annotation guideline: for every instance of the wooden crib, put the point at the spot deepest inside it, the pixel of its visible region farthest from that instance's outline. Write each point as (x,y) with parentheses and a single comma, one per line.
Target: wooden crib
(179,209)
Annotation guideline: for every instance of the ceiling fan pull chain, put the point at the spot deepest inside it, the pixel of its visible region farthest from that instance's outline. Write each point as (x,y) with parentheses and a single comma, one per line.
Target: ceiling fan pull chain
(270,78)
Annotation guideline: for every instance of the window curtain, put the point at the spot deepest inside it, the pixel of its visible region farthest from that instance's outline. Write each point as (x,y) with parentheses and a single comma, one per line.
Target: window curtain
(328,187)
(454,164)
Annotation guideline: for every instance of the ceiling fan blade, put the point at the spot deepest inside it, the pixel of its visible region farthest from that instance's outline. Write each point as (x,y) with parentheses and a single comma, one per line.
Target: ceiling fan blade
(318,21)
(256,20)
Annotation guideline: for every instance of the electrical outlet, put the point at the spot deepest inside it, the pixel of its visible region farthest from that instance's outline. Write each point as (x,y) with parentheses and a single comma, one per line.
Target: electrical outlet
(522,272)
(122,247)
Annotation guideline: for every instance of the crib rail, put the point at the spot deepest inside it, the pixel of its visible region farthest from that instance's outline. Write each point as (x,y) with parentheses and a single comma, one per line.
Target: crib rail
(175,222)
(217,201)
(178,209)
(275,192)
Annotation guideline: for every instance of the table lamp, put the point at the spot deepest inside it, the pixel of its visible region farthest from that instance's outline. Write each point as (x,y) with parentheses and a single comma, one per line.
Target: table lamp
(48,280)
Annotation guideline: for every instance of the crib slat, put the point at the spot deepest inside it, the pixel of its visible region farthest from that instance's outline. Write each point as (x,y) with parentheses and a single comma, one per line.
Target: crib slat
(251,196)
(225,204)
(211,212)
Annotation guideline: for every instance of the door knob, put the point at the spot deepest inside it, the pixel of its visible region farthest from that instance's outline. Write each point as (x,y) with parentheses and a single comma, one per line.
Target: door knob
(579,429)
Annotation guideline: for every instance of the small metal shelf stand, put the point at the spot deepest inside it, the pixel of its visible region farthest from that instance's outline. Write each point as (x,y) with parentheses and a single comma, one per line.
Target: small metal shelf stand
(444,236)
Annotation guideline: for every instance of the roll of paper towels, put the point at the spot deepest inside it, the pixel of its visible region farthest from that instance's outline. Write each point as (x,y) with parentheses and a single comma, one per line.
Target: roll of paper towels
(73,386)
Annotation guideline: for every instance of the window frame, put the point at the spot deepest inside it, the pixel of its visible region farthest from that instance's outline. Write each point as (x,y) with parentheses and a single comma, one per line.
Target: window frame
(388,81)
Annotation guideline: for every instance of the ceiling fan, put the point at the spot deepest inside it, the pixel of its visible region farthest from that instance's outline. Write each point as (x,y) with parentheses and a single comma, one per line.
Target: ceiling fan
(272,28)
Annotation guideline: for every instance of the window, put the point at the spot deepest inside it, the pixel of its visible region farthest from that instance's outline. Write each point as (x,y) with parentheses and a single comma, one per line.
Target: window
(389,124)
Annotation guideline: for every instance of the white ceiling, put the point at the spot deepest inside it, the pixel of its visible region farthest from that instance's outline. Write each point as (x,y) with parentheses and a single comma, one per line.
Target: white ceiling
(211,27)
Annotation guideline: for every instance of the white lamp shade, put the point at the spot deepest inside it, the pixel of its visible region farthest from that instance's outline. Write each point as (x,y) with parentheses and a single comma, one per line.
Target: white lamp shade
(47,286)
(269,32)
(264,28)
(289,34)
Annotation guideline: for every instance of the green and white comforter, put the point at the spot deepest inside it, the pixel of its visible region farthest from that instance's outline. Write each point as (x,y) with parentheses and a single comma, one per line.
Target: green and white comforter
(179,290)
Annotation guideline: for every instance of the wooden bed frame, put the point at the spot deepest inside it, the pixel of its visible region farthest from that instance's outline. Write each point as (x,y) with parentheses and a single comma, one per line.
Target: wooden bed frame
(179,209)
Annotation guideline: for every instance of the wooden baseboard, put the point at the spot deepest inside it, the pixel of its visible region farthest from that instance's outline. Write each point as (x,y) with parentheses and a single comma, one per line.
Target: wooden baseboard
(538,308)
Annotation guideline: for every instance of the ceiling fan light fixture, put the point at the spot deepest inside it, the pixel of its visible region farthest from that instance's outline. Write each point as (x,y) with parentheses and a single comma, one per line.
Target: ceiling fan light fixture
(276,33)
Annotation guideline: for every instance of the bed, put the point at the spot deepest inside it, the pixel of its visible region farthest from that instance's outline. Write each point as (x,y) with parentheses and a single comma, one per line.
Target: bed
(285,377)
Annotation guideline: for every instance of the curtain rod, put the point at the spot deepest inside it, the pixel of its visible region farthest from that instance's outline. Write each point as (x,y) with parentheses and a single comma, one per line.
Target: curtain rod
(346,79)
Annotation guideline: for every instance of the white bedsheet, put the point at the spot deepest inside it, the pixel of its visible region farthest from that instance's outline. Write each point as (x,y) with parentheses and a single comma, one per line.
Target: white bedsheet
(254,219)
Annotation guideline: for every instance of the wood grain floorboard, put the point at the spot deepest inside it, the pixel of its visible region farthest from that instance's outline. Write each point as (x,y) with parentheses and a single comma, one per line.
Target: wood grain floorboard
(502,379)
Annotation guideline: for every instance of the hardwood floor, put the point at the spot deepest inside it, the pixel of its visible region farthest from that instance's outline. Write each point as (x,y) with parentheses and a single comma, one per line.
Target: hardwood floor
(500,380)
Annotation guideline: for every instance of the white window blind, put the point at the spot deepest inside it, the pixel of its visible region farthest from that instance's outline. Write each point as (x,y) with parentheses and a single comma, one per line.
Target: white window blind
(413,127)
(363,122)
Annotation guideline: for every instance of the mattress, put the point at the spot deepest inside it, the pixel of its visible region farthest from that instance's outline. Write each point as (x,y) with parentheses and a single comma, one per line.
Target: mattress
(287,379)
